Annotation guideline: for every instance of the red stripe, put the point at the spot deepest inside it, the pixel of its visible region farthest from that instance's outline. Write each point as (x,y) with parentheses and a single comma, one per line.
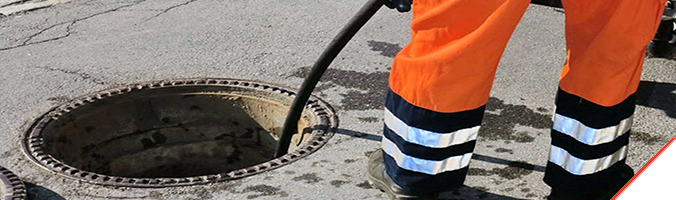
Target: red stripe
(643,169)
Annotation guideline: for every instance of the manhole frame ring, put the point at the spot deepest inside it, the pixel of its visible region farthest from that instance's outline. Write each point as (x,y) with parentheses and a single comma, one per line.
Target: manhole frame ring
(15,189)
(31,141)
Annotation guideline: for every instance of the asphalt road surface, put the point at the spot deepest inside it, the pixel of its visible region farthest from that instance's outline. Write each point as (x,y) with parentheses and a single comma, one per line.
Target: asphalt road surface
(50,55)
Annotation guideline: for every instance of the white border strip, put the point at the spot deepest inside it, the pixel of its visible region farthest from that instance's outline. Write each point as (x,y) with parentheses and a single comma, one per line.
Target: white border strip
(422,165)
(587,135)
(429,138)
(579,166)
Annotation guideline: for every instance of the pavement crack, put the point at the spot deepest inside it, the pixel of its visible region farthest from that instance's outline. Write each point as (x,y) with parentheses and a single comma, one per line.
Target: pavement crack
(27,41)
(169,8)
(30,37)
(11,3)
(82,75)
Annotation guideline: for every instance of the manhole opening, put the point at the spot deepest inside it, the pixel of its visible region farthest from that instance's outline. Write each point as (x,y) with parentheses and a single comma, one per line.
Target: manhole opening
(158,133)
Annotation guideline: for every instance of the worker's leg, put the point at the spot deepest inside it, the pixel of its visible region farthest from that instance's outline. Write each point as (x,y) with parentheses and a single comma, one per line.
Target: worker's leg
(439,85)
(606,41)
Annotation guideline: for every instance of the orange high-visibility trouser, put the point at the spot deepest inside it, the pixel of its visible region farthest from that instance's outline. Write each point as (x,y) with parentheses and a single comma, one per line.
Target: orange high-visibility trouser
(440,83)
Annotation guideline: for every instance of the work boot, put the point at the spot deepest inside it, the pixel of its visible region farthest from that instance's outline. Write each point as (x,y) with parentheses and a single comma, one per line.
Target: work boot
(625,175)
(379,179)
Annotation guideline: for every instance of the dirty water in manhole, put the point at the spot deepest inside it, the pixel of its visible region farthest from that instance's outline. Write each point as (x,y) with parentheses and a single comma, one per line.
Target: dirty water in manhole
(176,132)
(11,187)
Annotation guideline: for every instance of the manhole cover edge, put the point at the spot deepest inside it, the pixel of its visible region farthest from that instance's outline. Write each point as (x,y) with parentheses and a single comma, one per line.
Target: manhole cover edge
(15,189)
(324,128)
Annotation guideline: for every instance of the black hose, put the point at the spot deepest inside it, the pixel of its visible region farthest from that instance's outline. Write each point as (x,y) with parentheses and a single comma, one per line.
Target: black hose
(320,66)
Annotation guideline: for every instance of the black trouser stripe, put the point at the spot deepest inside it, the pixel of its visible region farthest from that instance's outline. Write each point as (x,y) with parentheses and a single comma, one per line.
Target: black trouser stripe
(591,114)
(428,153)
(584,151)
(430,120)
(423,183)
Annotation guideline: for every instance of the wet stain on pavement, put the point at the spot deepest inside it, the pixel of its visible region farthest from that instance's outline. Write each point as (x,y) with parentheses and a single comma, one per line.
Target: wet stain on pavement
(5,154)
(308,178)
(479,172)
(369,119)
(264,190)
(367,90)
(510,172)
(516,169)
(356,100)
(386,49)
(319,163)
(207,192)
(325,86)
(647,138)
(368,153)
(376,81)
(501,119)
(364,185)
(338,183)
(197,193)
(503,150)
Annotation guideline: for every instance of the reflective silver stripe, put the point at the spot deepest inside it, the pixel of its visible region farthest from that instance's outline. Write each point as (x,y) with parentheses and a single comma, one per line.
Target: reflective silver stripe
(431,167)
(587,135)
(578,166)
(429,138)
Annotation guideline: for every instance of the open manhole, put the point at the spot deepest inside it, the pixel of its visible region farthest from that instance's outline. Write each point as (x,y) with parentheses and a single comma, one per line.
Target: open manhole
(171,133)
(11,187)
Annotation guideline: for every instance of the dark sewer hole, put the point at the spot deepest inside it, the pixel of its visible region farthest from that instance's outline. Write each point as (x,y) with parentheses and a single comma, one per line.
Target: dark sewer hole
(160,133)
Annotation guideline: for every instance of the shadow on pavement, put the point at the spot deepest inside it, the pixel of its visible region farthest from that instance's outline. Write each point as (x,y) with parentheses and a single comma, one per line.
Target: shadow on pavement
(657,95)
(366,136)
(463,193)
(466,193)
(36,192)
(475,156)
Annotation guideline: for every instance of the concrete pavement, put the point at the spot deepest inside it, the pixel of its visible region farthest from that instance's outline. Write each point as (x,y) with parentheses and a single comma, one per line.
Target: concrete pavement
(50,55)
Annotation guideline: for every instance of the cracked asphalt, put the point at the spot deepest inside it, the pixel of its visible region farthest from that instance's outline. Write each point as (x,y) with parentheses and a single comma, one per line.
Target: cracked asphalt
(50,55)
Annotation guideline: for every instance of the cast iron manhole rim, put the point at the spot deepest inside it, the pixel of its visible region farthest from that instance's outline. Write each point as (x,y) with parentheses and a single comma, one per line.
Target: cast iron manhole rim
(32,141)
(14,188)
